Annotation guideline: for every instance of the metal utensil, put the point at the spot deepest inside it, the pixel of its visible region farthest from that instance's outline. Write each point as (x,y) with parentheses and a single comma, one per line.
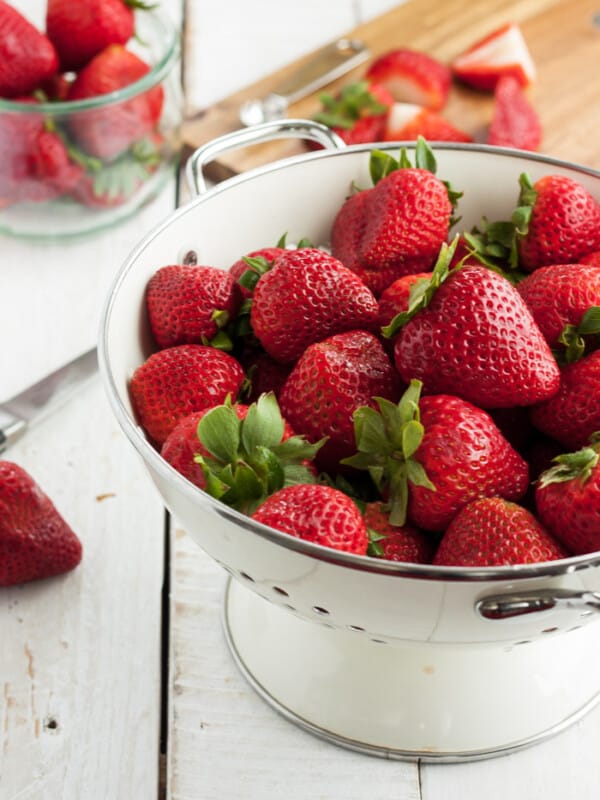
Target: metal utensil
(43,397)
(330,62)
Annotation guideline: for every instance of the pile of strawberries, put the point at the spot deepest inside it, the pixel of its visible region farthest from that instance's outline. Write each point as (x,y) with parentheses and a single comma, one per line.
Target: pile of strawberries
(406,393)
(404,93)
(99,157)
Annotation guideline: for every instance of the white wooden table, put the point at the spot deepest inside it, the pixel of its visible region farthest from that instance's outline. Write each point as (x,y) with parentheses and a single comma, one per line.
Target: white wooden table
(104,669)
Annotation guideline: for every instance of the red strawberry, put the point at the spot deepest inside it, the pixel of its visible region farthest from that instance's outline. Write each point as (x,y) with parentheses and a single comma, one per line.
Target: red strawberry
(492,532)
(593,259)
(567,498)
(502,52)
(329,382)
(407,121)
(395,298)
(27,57)
(107,132)
(412,77)
(397,227)
(515,122)
(572,415)
(472,335)
(50,161)
(306,296)
(35,541)
(318,514)
(264,373)
(190,304)
(79,31)
(434,456)
(178,380)
(560,222)
(564,300)
(240,454)
(241,266)
(393,542)
(357,113)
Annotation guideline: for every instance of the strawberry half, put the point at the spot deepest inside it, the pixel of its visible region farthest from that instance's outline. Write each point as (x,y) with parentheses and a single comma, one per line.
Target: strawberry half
(35,541)
(407,121)
(412,76)
(27,57)
(515,123)
(502,52)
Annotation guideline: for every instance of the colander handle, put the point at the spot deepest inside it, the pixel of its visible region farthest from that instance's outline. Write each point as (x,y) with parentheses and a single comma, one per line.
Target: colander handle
(506,606)
(257,134)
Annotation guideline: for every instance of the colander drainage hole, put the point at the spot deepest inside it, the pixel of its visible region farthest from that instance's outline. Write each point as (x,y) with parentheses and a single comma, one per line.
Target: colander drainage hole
(322,611)
(246,577)
(550,630)
(356,628)
(282,592)
(379,641)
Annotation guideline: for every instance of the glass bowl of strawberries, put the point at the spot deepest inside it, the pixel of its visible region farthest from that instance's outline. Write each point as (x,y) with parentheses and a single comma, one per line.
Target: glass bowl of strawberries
(89,115)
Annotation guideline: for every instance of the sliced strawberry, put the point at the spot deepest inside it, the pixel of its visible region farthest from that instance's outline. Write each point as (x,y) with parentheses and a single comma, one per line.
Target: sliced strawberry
(407,121)
(412,77)
(515,122)
(502,52)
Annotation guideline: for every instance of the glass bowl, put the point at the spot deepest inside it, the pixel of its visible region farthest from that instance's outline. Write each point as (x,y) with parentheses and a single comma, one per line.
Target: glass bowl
(117,151)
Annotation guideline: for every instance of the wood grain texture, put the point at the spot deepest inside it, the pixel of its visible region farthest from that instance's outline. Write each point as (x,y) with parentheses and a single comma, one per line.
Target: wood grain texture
(563,40)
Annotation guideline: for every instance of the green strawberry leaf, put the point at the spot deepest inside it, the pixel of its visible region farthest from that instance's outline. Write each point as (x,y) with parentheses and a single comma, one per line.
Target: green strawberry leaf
(424,157)
(375,548)
(219,432)
(381,164)
(263,425)
(572,466)
(590,322)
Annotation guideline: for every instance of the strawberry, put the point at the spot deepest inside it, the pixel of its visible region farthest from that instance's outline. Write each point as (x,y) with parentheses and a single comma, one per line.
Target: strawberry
(319,514)
(493,532)
(564,300)
(412,76)
(398,226)
(515,122)
(178,380)
(432,456)
(357,113)
(407,121)
(331,379)
(558,222)
(591,258)
(306,296)
(51,163)
(35,541)
(240,267)
(393,542)
(190,304)
(572,415)
(105,133)
(27,57)
(79,31)
(263,373)
(240,454)
(567,498)
(396,297)
(501,52)
(468,332)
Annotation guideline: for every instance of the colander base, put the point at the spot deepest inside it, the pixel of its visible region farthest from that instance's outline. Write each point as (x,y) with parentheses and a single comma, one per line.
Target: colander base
(437,702)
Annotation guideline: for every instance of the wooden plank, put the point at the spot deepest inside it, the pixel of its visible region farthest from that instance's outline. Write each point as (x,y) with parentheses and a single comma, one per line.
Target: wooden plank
(562,38)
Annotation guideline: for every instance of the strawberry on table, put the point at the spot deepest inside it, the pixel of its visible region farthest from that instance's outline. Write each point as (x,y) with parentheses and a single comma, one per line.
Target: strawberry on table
(177,381)
(331,379)
(190,304)
(35,541)
(501,52)
(567,498)
(357,113)
(515,122)
(412,76)
(431,456)
(407,121)
(572,415)
(306,296)
(493,532)
(105,133)
(396,542)
(564,300)
(80,30)
(27,56)
(319,514)
(468,332)
(239,453)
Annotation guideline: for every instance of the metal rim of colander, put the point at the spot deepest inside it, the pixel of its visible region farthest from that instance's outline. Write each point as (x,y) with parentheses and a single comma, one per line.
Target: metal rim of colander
(369,564)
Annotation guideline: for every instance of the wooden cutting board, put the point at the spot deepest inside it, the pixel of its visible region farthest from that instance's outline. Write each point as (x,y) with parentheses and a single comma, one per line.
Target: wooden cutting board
(563,37)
